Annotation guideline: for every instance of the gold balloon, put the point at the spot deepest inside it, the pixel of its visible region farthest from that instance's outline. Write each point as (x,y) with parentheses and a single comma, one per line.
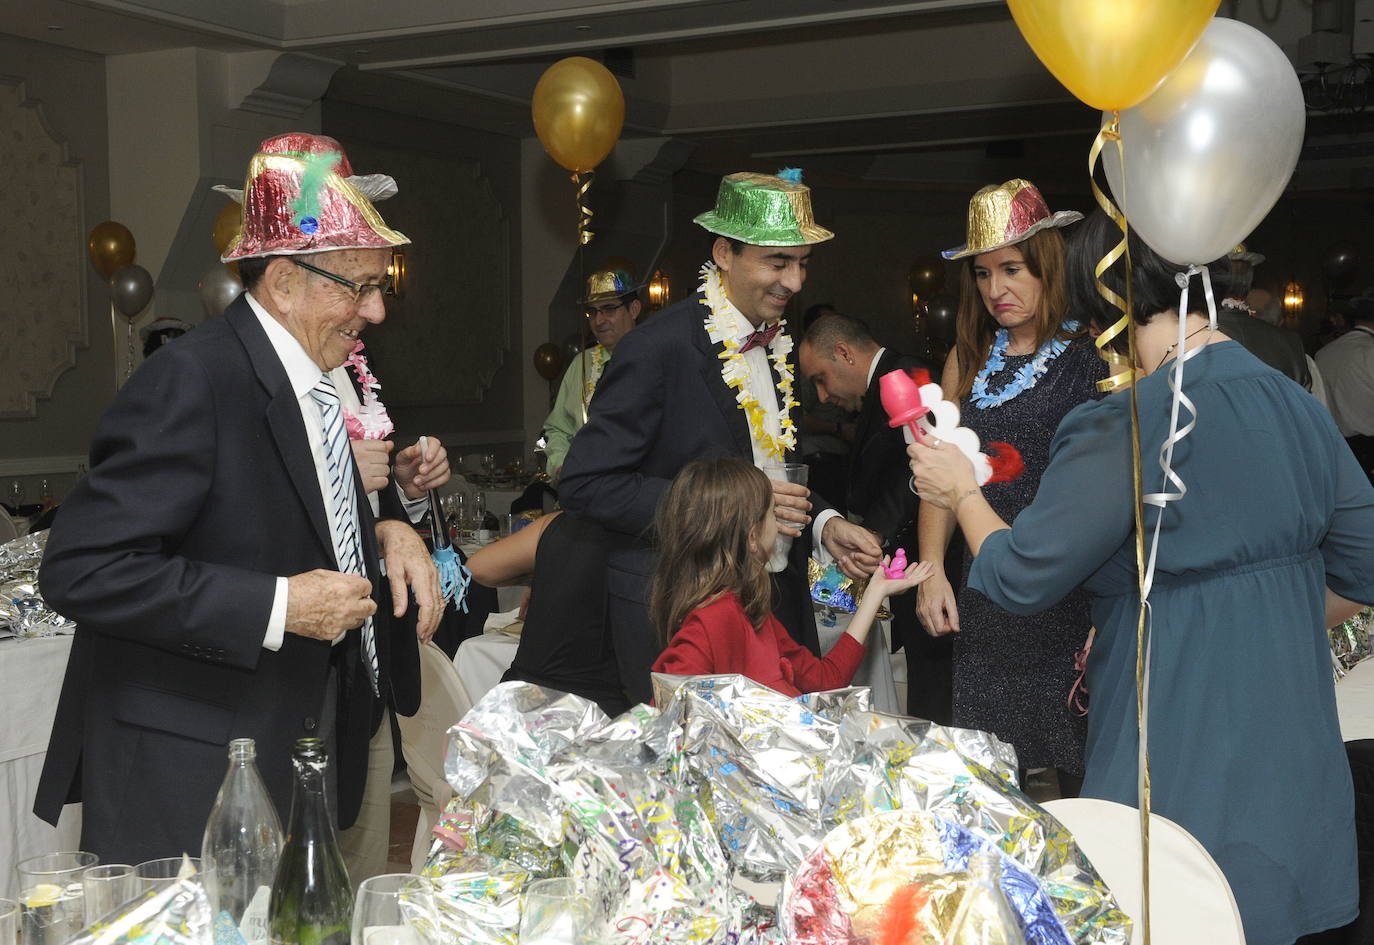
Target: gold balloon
(228,223)
(548,360)
(111,247)
(624,264)
(578,111)
(1112,53)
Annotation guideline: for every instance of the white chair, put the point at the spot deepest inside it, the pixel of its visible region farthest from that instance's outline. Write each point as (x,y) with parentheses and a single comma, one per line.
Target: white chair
(1190,901)
(8,530)
(424,741)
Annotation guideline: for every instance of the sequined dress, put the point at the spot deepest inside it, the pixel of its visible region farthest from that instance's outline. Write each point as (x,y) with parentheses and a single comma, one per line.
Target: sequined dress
(1012,675)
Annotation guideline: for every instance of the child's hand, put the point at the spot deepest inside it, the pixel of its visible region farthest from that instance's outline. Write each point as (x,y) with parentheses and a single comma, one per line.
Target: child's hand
(883,585)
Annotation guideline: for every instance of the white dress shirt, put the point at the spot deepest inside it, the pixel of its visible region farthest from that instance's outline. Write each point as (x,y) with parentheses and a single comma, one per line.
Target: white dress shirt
(1347,366)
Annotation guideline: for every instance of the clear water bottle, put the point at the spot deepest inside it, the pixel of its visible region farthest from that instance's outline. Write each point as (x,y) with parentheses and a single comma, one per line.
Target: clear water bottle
(985,917)
(242,844)
(312,898)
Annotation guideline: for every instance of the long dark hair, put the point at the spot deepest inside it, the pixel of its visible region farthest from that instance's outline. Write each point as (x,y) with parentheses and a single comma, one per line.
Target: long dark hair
(704,524)
(1045,255)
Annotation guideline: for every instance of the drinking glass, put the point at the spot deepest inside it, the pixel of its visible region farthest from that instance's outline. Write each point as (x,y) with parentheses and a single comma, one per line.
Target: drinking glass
(51,900)
(489,464)
(156,874)
(9,922)
(554,914)
(395,909)
(106,888)
(788,472)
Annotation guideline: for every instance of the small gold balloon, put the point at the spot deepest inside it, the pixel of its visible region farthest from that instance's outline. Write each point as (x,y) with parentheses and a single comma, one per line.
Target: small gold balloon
(926,276)
(578,111)
(548,360)
(111,247)
(228,223)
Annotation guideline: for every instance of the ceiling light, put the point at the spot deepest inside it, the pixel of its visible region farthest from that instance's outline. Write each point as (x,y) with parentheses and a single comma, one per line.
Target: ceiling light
(582,29)
(55,28)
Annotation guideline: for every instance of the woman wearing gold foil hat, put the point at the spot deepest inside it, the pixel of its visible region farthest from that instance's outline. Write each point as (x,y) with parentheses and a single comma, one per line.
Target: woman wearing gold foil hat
(1271,541)
(1019,365)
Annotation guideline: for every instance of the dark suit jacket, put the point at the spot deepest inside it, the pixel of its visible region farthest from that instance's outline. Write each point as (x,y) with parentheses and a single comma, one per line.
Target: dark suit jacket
(661,404)
(202,491)
(1281,350)
(879,476)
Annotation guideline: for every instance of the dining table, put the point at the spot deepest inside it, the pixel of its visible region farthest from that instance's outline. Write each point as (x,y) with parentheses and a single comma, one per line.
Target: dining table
(31,671)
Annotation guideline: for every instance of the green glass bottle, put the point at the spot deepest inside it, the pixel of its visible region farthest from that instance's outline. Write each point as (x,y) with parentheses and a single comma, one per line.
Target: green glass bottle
(312,898)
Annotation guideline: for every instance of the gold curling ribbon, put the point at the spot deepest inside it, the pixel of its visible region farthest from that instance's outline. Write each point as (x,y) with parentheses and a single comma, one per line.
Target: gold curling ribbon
(584,213)
(1125,376)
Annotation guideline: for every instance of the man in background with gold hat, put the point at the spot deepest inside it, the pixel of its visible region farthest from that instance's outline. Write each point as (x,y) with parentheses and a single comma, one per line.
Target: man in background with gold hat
(612,308)
(221,558)
(712,374)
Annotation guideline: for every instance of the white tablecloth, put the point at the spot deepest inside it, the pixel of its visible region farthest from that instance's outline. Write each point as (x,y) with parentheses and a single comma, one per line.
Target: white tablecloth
(1355,702)
(30,681)
(875,671)
(481,661)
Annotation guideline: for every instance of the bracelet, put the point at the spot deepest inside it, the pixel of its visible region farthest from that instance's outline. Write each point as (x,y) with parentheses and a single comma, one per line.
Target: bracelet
(964,495)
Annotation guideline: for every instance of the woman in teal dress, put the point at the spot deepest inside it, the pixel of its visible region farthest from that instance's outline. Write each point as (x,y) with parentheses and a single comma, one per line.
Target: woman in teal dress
(1273,542)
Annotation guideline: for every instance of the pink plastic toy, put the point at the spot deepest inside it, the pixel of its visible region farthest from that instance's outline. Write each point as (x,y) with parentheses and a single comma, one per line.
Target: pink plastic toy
(897,569)
(913,401)
(901,399)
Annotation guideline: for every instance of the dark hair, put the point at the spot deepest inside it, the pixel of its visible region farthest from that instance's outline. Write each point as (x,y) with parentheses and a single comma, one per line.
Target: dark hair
(829,330)
(814,312)
(251,270)
(736,246)
(1154,288)
(703,527)
(975,328)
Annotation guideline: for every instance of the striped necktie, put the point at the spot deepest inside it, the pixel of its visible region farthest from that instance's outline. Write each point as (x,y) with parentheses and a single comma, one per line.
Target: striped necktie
(342,500)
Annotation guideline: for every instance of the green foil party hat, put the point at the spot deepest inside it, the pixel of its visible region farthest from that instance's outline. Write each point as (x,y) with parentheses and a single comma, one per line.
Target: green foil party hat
(764,210)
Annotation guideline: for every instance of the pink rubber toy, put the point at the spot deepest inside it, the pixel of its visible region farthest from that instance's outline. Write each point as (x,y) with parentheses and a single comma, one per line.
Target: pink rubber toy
(897,569)
(902,400)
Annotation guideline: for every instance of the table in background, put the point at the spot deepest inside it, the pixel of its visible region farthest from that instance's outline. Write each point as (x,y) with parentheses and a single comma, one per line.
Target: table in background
(31,673)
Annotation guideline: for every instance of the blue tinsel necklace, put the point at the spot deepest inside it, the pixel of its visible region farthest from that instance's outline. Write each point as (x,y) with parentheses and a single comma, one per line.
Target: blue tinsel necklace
(1025,378)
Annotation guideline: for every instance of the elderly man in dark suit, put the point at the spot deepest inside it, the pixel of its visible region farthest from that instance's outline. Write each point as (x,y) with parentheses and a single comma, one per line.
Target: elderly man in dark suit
(840,357)
(221,558)
(711,374)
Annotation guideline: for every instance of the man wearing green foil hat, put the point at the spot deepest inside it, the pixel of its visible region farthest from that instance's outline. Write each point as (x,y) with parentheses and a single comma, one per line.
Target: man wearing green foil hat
(710,375)
(612,307)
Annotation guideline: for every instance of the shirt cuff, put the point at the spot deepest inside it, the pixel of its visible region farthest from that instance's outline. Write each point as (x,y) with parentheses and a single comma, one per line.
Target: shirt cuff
(415,508)
(276,621)
(818,550)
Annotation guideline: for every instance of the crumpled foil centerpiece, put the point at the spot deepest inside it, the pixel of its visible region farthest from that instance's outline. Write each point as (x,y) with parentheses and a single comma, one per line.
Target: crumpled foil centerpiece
(1352,642)
(23,612)
(660,815)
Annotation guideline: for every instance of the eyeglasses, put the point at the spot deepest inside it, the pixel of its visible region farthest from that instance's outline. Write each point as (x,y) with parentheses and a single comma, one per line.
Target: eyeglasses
(591,311)
(361,291)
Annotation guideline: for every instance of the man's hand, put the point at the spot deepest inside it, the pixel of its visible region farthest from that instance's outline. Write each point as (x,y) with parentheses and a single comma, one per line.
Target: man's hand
(408,564)
(373,464)
(790,505)
(323,604)
(936,605)
(857,550)
(416,473)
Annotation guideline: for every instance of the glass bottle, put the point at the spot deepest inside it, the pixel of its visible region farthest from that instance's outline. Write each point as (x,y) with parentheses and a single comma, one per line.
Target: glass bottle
(985,917)
(312,898)
(241,845)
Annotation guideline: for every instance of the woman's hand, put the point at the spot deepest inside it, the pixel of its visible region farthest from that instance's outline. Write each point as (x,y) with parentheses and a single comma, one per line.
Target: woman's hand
(936,605)
(940,472)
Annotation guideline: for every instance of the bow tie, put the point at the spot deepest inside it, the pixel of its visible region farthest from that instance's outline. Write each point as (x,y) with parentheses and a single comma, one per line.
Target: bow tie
(761,338)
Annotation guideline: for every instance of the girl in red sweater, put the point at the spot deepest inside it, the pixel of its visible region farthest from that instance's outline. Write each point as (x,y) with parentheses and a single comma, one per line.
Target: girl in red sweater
(715,529)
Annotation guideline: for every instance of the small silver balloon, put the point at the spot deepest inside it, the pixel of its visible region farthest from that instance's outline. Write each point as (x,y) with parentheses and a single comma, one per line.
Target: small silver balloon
(941,316)
(1211,149)
(131,289)
(217,288)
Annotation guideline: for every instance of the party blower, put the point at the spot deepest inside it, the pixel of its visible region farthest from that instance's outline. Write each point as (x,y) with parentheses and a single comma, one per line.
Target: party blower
(454,577)
(912,400)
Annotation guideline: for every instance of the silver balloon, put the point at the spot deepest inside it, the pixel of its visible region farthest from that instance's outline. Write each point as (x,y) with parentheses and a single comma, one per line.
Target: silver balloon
(131,289)
(1211,149)
(217,288)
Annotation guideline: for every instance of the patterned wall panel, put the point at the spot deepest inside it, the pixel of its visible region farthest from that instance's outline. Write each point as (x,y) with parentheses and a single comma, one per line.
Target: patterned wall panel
(42,255)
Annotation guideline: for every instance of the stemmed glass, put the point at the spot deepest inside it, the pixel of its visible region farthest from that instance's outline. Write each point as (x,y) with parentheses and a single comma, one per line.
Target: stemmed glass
(395,909)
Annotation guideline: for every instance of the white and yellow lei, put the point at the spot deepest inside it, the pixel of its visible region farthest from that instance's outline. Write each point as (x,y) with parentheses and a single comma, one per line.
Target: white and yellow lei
(722,327)
(599,357)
